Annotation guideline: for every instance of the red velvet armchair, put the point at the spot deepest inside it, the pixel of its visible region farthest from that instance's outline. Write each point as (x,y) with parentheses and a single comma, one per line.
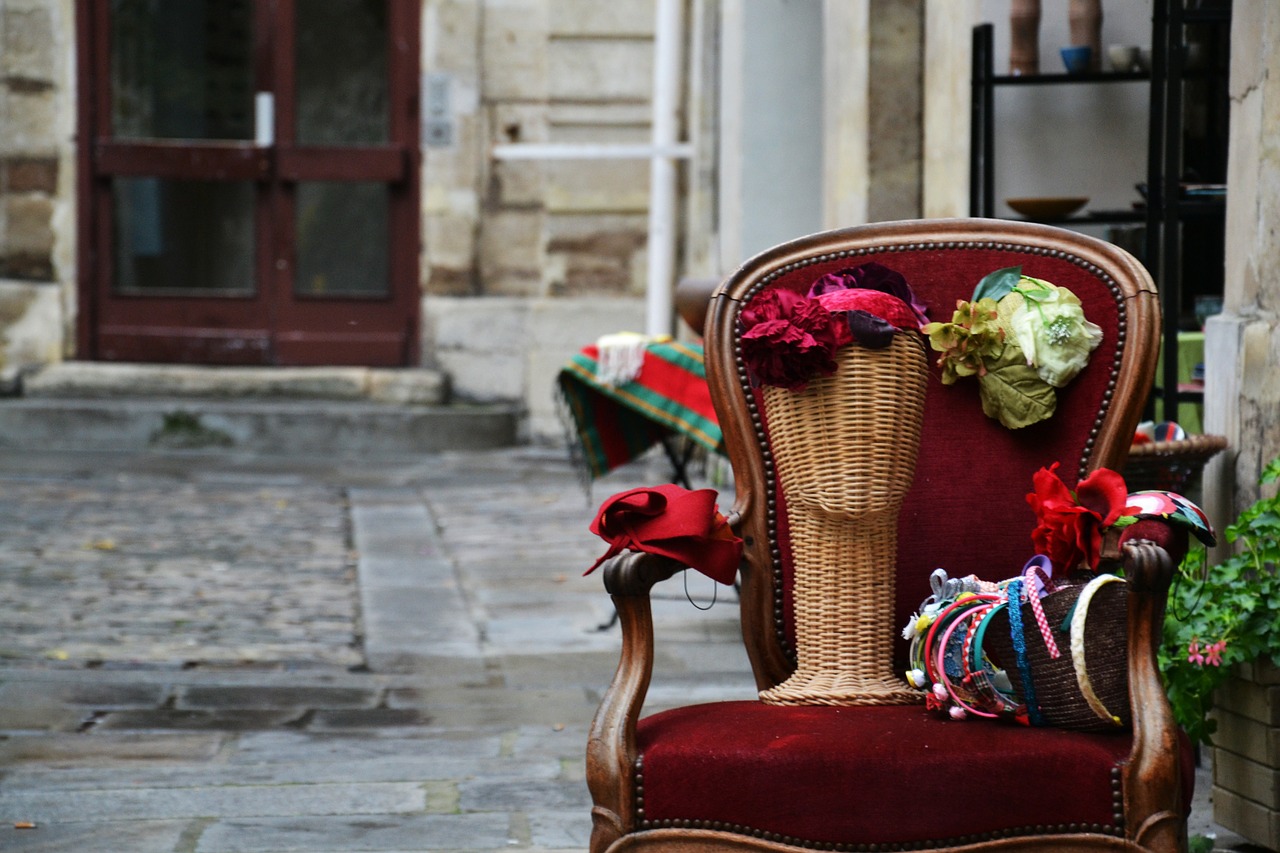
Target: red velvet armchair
(758,776)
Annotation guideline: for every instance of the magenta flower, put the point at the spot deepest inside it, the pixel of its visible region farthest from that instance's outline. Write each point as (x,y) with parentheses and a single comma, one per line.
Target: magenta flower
(1193,653)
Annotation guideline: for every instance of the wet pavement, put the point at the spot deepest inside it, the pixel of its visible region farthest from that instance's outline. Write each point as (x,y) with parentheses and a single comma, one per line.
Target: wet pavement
(222,653)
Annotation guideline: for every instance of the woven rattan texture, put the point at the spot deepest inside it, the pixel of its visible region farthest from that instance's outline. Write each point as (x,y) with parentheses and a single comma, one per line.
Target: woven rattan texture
(845,450)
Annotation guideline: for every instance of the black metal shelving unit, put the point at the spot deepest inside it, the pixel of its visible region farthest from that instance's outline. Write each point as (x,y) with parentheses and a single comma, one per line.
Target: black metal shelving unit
(1169,211)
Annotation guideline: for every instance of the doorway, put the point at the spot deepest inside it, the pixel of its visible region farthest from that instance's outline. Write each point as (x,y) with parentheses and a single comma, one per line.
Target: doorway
(249,181)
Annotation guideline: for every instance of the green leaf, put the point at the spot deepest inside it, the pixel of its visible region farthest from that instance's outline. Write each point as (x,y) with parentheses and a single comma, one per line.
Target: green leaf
(998,284)
(1013,393)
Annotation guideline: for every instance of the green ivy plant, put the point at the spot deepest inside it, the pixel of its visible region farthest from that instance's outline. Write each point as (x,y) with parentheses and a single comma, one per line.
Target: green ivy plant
(1225,615)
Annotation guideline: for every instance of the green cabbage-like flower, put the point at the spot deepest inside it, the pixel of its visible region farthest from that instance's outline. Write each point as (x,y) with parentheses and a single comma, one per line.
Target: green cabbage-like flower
(1052,331)
(973,335)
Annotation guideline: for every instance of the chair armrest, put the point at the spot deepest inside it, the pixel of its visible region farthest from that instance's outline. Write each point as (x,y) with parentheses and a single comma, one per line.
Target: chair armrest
(1152,779)
(611,744)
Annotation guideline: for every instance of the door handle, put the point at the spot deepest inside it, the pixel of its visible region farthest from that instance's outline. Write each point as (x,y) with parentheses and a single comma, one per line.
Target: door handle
(264,119)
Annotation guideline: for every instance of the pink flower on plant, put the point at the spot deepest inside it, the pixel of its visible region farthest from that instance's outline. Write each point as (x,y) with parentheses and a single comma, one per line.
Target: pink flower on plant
(1213,653)
(1193,653)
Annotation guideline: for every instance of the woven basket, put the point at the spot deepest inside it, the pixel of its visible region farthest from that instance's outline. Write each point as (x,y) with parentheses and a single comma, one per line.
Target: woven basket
(1170,466)
(845,452)
(1058,681)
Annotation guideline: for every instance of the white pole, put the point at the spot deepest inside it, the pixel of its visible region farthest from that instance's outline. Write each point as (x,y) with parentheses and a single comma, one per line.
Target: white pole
(659,311)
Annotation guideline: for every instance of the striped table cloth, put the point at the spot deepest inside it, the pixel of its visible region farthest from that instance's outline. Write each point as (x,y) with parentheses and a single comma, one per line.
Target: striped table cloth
(614,424)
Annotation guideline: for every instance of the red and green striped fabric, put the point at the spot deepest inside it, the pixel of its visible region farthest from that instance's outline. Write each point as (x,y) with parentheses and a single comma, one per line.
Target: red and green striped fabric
(615,424)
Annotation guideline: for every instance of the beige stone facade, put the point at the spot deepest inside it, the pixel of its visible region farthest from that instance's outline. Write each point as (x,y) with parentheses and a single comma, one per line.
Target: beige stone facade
(37,236)
(523,261)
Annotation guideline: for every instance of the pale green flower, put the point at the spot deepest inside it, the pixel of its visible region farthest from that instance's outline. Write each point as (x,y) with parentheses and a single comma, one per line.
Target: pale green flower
(1052,331)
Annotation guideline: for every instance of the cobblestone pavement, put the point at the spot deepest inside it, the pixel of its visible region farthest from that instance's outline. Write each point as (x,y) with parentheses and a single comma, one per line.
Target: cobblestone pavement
(222,654)
(219,653)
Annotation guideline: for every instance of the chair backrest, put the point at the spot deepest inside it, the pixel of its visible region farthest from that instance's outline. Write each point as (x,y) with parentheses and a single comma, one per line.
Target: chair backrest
(966,510)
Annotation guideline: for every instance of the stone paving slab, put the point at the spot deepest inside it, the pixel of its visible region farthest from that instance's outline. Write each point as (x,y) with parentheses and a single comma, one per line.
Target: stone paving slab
(95,837)
(116,804)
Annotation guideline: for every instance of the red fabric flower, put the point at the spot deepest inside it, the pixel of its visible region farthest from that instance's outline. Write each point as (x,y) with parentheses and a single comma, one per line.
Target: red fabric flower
(788,339)
(1070,526)
(672,522)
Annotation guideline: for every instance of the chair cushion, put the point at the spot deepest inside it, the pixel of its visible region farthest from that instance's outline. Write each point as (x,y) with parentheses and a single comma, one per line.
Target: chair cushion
(873,775)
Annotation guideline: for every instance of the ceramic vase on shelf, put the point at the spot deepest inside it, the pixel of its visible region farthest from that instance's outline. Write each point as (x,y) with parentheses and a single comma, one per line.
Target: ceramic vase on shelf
(1024,37)
(845,452)
(1084,18)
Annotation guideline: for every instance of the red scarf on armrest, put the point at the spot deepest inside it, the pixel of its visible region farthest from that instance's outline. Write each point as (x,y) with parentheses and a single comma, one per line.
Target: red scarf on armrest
(671,522)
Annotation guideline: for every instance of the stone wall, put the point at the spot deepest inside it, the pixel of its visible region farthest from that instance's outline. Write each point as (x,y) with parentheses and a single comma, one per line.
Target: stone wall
(524,261)
(1242,345)
(36,181)
(537,71)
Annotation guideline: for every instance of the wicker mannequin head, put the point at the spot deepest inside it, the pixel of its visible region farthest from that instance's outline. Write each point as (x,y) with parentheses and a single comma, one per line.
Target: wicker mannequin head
(845,450)
(846,446)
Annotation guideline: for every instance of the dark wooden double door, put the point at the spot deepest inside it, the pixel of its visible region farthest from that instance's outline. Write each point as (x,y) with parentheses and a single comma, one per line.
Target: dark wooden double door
(249,181)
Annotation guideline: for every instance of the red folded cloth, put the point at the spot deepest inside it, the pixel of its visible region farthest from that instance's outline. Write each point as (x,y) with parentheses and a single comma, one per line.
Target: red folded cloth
(671,522)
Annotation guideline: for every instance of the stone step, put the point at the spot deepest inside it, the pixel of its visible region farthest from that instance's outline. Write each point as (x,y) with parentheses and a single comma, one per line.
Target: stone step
(81,379)
(336,412)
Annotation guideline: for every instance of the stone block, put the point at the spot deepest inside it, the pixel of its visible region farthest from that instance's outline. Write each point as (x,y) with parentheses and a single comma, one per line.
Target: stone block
(484,376)
(518,182)
(486,324)
(96,837)
(579,18)
(28,224)
(31,116)
(450,240)
(519,795)
(29,174)
(31,324)
(518,122)
(1242,815)
(1249,738)
(451,175)
(512,253)
(1254,701)
(1248,778)
(245,801)
(514,49)
(77,750)
(560,830)
(596,115)
(28,49)
(99,696)
(365,832)
(600,70)
(597,186)
(167,720)
(452,43)
(407,388)
(596,264)
(218,697)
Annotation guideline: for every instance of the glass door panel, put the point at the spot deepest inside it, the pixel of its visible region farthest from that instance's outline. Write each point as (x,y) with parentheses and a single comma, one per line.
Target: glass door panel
(183,237)
(182,69)
(342,239)
(340,68)
(252,186)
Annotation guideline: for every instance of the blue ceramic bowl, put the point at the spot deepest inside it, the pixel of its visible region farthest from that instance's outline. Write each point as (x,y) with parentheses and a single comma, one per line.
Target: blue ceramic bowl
(1076,58)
